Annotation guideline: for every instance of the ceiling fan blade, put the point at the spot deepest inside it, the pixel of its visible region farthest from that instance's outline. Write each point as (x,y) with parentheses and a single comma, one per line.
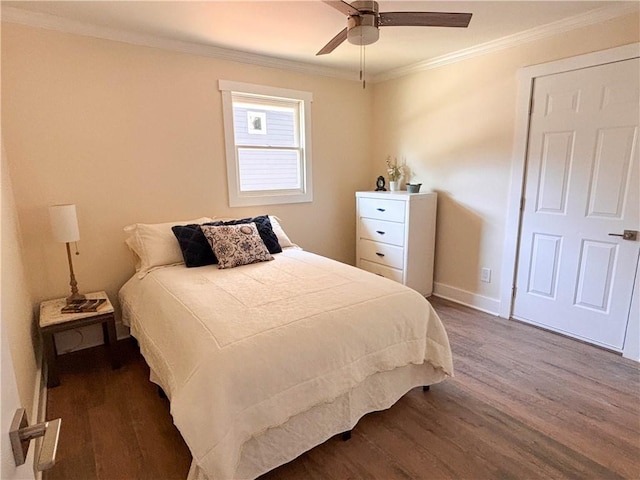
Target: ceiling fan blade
(333,43)
(343,7)
(424,19)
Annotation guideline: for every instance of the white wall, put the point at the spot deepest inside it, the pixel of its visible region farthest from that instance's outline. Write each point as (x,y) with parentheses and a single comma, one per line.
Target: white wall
(16,312)
(455,127)
(134,134)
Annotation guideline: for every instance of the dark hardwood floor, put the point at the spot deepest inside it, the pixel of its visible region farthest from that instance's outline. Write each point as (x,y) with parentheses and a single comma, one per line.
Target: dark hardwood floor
(524,404)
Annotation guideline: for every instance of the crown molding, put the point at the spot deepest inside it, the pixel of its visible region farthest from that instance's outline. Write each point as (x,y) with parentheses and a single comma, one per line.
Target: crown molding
(65,25)
(561,26)
(53,22)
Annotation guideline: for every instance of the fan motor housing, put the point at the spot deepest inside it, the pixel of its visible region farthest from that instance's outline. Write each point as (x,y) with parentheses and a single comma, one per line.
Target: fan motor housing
(363,29)
(365,6)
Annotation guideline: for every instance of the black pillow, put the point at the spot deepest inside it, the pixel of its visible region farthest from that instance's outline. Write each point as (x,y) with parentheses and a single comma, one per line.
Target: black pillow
(196,250)
(264,229)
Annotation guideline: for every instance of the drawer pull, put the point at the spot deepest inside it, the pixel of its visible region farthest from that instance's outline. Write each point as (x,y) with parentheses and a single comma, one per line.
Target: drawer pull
(380,254)
(381,209)
(380,232)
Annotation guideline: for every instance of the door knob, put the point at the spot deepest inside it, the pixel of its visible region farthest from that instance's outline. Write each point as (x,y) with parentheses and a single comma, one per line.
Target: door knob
(626,235)
(21,435)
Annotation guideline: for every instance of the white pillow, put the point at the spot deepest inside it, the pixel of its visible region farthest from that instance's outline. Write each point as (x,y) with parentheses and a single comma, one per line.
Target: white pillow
(155,245)
(283,239)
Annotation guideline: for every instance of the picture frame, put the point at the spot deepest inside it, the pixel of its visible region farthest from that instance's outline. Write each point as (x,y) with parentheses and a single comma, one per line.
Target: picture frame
(257,123)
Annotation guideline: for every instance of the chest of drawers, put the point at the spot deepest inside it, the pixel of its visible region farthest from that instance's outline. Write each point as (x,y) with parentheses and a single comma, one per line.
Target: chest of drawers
(395,236)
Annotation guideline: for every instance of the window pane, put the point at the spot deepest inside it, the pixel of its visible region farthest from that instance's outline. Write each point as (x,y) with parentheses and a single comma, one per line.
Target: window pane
(268,144)
(259,125)
(268,169)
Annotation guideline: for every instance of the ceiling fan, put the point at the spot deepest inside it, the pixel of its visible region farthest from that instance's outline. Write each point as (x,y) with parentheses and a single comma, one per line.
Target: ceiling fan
(364,20)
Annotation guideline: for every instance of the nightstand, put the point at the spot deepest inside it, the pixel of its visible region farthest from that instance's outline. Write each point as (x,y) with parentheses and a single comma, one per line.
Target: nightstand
(53,321)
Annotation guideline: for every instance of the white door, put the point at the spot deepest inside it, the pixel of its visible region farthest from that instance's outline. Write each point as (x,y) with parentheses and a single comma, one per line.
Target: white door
(582,185)
(9,403)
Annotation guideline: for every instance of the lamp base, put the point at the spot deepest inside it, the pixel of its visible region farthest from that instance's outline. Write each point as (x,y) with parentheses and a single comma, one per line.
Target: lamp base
(75,297)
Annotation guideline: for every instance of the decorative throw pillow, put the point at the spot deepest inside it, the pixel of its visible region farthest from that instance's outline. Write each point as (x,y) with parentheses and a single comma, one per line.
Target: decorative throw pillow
(236,245)
(265,230)
(196,250)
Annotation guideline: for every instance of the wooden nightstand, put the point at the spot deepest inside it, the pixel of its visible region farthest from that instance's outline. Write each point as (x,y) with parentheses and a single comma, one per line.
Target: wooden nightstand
(52,321)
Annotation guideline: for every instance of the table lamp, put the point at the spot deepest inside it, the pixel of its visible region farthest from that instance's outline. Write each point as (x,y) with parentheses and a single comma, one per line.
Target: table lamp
(64,224)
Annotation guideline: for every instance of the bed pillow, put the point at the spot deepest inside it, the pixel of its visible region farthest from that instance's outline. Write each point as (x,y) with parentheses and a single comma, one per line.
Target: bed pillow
(236,245)
(155,244)
(195,247)
(283,239)
(196,250)
(265,230)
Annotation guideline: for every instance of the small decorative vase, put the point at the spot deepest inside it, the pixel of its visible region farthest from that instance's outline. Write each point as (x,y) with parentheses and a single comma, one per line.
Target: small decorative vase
(394,186)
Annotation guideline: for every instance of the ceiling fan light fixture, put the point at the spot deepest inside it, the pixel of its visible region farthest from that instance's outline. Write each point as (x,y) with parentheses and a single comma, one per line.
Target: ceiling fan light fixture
(364,20)
(363,29)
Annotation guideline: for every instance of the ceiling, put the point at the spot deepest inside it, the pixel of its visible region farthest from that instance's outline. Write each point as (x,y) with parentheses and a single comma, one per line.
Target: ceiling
(293,31)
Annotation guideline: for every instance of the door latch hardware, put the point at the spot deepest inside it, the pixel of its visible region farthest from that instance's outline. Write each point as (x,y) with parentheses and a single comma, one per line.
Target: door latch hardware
(626,235)
(21,435)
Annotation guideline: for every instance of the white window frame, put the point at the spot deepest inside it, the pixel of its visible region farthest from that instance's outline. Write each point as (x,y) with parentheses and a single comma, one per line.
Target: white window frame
(237,198)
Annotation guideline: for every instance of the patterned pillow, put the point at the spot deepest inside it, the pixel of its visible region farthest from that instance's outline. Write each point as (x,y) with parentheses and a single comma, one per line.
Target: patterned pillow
(236,245)
(263,224)
(196,250)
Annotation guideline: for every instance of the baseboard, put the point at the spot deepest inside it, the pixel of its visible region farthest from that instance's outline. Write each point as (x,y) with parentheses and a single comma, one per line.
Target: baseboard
(479,302)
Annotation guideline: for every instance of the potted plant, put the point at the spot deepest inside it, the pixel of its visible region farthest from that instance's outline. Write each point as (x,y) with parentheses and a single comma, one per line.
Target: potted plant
(395,173)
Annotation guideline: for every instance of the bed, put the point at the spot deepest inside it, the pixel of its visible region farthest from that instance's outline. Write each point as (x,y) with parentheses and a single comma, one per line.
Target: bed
(265,361)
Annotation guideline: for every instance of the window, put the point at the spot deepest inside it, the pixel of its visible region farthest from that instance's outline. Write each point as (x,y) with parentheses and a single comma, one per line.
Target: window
(268,144)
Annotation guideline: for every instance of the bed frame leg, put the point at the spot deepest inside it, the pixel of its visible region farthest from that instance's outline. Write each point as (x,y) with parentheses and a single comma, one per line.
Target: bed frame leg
(346,435)
(425,388)
(161,393)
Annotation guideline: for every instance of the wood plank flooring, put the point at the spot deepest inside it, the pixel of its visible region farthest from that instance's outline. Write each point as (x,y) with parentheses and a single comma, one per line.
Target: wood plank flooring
(524,404)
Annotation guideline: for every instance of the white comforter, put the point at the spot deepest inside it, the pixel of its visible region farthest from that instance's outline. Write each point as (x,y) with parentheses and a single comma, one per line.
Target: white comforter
(246,349)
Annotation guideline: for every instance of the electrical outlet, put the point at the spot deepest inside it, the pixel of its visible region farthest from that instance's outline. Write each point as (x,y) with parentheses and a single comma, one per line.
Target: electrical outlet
(485,275)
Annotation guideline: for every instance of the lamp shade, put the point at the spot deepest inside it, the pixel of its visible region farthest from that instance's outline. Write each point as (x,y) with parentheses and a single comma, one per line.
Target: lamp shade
(64,223)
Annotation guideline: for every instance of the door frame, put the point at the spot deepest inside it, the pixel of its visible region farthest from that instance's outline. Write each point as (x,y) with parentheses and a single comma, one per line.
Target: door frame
(526,78)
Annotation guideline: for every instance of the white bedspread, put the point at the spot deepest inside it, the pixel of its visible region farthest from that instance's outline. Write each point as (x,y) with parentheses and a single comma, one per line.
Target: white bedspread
(246,349)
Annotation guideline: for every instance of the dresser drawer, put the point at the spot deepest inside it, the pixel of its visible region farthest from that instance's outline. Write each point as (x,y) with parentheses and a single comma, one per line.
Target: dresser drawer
(382,231)
(395,236)
(381,209)
(381,253)
(382,270)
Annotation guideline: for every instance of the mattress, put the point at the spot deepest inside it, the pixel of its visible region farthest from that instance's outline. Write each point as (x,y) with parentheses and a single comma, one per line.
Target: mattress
(264,361)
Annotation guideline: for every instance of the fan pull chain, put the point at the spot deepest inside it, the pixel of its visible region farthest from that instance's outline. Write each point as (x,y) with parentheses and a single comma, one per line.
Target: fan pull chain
(363,66)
